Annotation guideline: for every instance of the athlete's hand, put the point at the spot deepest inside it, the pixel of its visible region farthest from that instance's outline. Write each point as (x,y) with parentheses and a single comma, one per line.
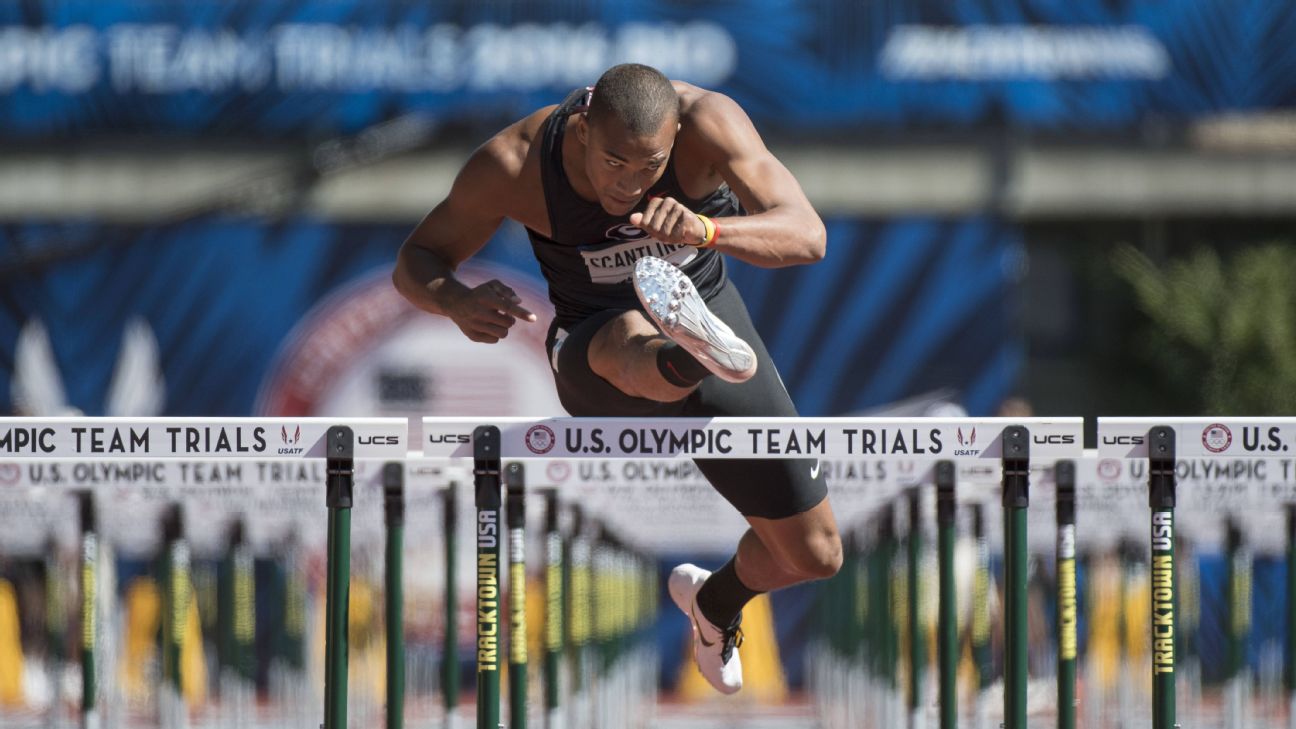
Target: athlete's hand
(486,312)
(667,220)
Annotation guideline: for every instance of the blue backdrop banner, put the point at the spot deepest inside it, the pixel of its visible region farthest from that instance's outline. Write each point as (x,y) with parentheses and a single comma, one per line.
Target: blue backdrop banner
(287,67)
(229,317)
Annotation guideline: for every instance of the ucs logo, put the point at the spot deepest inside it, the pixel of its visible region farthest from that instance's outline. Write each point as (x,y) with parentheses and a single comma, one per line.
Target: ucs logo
(449,438)
(1054,439)
(1132,440)
(378,439)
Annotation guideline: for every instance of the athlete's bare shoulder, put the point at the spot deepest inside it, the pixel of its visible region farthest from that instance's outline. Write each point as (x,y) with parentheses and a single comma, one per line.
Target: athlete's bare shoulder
(511,148)
(704,114)
(508,165)
(691,97)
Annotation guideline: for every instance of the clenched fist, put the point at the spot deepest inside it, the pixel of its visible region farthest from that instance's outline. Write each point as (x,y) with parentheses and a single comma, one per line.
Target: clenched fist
(485,313)
(667,220)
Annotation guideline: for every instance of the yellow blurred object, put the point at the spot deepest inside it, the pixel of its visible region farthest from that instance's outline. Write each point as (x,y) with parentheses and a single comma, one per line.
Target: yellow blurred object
(763,679)
(535,607)
(143,619)
(11,655)
(143,607)
(193,661)
(1105,623)
(1138,606)
(362,615)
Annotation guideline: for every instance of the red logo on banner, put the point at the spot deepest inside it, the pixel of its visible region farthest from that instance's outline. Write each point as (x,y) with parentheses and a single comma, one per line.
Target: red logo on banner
(540,439)
(1109,469)
(558,471)
(1217,438)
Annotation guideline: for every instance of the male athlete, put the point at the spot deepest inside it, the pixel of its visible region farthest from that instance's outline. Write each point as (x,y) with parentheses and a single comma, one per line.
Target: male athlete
(630,192)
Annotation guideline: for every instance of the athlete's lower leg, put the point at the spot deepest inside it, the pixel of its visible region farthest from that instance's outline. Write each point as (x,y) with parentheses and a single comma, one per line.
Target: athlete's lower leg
(727,591)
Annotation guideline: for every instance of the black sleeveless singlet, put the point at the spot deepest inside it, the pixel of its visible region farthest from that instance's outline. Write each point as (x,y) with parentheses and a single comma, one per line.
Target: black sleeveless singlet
(590,256)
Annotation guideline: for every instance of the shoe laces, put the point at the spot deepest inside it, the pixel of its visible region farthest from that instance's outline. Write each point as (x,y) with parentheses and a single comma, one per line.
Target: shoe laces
(731,640)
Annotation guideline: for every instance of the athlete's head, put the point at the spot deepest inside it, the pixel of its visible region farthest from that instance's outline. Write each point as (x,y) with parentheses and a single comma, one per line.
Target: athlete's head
(628,134)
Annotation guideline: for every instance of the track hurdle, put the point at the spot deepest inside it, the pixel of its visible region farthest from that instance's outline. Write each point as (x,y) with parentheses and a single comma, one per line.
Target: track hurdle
(1013,443)
(1161,443)
(339,444)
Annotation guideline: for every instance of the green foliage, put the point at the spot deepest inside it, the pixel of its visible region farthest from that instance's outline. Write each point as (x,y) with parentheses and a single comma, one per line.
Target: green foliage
(1221,330)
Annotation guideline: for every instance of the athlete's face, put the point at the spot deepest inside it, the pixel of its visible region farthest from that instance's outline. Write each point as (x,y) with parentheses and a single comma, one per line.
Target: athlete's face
(622,166)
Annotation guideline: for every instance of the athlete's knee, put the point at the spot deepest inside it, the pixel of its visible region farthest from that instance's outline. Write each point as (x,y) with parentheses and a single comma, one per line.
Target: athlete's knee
(817,556)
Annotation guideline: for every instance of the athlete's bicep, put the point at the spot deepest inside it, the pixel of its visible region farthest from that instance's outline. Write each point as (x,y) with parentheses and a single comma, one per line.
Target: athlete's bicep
(462,224)
(741,158)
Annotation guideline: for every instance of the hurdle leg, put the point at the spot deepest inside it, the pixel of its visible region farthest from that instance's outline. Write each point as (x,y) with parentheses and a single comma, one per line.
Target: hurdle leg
(577,620)
(175,611)
(89,615)
(890,634)
(1161,493)
(1238,610)
(486,476)
(515,482)
(1289,676)
(340,452)
(1016,498)
(947,618)
(553,641)
(917,646)
(1067,615)
(394,513)
(980,628)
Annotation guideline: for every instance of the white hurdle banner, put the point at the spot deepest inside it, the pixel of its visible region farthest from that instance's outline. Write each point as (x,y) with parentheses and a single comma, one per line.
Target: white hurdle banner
(1201,437)
(196,438)
(635,438)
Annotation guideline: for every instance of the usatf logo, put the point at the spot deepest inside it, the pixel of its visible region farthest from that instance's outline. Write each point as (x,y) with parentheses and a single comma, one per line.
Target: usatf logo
(1217,438)
(290,441)
(1109,469)
(625,231)
(540,439)
(9,473)
(558,471)
(971,439)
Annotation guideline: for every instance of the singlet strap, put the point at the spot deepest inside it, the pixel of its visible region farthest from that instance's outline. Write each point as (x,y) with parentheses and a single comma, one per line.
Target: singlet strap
(552,176)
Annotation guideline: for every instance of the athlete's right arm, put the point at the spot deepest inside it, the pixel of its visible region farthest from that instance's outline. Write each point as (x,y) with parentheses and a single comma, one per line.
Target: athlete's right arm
(449,235)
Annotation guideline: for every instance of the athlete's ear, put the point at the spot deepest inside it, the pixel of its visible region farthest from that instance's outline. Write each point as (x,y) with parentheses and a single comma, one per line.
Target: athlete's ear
(582,129)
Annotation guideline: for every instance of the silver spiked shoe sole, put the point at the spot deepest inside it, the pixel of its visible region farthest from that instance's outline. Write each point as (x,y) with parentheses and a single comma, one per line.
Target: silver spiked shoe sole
(674,305)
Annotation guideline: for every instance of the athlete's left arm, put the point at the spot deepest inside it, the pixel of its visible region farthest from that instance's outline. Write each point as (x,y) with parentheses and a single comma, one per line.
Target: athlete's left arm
(781,227)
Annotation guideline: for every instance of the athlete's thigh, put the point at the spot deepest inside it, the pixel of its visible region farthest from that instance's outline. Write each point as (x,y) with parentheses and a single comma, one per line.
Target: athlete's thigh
(769,489)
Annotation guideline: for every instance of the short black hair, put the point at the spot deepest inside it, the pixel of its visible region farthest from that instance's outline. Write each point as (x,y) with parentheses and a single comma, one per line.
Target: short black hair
(638,96)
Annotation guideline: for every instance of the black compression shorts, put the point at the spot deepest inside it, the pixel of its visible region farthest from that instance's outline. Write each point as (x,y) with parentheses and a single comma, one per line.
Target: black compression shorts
(770,489)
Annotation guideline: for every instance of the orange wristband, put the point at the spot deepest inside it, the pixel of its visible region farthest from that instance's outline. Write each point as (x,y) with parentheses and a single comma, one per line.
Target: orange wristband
(712,230)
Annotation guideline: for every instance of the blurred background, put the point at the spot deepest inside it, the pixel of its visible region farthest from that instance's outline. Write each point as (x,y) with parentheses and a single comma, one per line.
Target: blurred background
(1059,208)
